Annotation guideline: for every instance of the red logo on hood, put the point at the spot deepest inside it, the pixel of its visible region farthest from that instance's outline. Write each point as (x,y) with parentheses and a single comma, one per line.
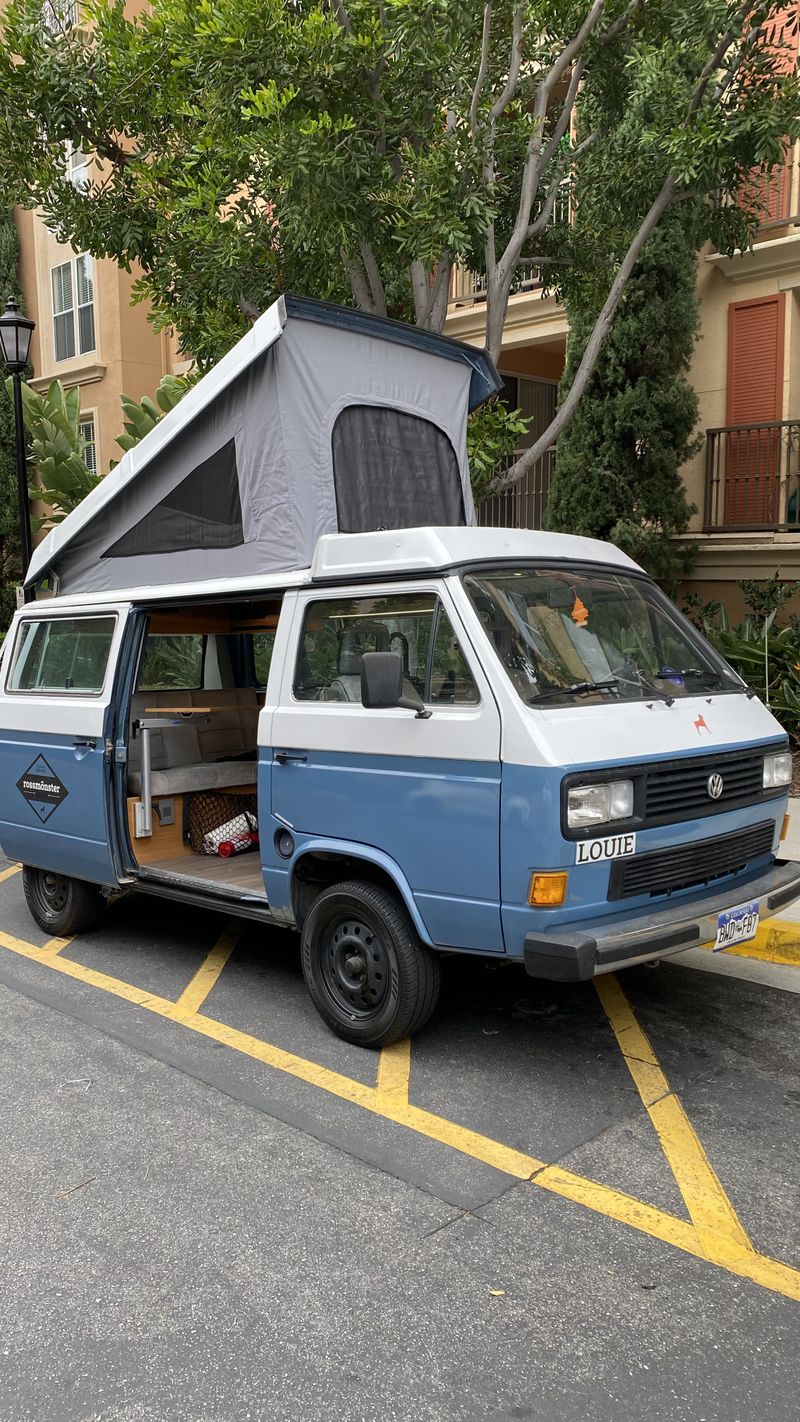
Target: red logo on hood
(700,725)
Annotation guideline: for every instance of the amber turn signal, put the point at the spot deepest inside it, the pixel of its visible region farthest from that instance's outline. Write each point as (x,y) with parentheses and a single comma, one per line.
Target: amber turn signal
(548,890)
(785,827)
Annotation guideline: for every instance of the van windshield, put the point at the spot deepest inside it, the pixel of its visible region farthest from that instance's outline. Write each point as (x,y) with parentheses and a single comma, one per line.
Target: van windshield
(589,637)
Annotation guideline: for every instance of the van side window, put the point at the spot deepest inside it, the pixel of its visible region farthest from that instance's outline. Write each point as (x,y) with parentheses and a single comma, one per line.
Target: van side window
(336,634)
(64,654)
(172,662)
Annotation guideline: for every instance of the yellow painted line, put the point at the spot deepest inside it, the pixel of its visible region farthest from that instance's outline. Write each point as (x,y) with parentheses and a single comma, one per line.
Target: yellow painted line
(207,975)
(776,941)
(386,1101)
(394,1072)
(9,873)
(53,947)
(709,1207)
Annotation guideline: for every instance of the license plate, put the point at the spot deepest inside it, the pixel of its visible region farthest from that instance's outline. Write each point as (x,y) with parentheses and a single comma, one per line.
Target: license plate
(736,925)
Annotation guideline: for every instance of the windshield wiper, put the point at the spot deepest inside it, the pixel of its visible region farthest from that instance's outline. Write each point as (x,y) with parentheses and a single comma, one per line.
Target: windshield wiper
(578,688)
(719,678)
(649,686)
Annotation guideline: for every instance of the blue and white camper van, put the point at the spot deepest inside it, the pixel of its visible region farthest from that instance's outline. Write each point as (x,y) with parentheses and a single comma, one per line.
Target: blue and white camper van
(431,739)
(454,739)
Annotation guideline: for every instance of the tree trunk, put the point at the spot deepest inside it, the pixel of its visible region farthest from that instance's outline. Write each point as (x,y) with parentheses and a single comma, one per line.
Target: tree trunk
(594,345)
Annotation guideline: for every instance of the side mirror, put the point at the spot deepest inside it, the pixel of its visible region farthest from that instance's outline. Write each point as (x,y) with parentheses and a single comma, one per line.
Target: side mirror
(382,684)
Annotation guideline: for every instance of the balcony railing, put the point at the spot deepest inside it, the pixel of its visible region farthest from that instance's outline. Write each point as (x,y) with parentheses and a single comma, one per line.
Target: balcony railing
(753,477)
(524,504)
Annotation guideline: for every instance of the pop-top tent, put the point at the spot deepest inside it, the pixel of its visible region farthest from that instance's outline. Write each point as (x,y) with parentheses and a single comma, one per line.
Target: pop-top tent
(321,419)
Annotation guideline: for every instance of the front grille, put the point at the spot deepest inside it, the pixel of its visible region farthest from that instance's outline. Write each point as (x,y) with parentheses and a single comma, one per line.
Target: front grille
(679,791)
(689,865)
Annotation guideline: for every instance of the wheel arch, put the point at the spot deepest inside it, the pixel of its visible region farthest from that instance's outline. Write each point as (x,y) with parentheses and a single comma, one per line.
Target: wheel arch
(322,862)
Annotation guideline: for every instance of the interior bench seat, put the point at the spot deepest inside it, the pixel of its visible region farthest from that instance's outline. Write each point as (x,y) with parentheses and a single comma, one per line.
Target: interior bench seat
(202,753)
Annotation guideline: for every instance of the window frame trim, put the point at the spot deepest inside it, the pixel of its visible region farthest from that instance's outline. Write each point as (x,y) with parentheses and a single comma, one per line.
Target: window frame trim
(76,308)
(53,692)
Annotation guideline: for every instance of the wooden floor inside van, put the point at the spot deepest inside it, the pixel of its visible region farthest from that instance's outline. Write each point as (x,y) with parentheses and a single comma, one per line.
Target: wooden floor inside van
(242,873)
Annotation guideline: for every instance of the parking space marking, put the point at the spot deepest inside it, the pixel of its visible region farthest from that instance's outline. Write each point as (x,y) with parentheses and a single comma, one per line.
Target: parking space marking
(394,1074)
(193,996)
(9,873)
(709,1207)
(716,1243)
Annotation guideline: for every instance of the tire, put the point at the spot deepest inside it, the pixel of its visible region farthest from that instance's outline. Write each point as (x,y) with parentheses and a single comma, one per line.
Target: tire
(373,997)
(61,906)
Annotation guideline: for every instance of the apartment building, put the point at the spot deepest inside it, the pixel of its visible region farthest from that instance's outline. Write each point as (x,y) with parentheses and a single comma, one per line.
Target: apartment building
(87,332)
(745,482)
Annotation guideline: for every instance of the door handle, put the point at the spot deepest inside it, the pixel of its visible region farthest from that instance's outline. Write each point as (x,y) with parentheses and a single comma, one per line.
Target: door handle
(286,757)
(84,745)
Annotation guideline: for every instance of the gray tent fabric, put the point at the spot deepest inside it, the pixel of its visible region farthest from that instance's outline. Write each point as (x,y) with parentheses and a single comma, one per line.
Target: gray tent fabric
(321,420)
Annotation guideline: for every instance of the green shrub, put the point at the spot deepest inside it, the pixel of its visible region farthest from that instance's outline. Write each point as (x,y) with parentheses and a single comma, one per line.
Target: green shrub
(765,654)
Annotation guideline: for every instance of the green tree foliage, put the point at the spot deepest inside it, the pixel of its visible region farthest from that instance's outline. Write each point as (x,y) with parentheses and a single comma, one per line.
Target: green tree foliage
(57,449)
(141,416)
(10,565)
(356,150)
(618,462)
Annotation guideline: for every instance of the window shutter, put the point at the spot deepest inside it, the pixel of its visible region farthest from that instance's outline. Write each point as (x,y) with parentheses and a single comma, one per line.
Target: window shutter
(755,398)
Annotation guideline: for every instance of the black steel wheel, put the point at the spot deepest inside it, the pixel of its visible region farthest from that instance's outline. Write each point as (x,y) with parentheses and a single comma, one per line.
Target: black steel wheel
(369,975)
(60,905)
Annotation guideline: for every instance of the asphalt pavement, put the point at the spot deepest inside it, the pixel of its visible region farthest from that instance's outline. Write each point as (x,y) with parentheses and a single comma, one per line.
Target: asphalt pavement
(558,1204)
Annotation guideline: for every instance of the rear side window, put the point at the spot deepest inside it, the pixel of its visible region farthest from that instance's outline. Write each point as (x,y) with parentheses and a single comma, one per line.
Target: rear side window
(65,654)
(172,662)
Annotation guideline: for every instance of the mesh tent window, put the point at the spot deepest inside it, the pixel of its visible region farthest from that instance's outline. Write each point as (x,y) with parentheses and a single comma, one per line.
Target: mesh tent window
(203,511)
(393,470)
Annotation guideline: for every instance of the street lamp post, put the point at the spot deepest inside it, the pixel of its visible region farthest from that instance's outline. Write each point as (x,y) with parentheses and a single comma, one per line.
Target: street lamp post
(15,341)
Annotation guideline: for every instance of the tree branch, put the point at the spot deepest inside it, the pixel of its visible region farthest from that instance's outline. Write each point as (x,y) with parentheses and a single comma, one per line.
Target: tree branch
(711,67)
(540,223)
(374,279)
(621,23)
(340,14)
(594,345)
(534,166)
(358,281)
(515,64)
(482,68)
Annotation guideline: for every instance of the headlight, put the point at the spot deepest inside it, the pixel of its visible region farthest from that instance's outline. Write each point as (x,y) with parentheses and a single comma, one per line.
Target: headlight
(598,804)
(777,770)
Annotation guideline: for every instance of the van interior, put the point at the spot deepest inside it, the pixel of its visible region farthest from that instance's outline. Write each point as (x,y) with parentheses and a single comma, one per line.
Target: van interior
(200,685)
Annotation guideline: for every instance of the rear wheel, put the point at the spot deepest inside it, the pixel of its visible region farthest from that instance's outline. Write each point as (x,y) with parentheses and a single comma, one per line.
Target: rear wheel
(60,905)
(369,975)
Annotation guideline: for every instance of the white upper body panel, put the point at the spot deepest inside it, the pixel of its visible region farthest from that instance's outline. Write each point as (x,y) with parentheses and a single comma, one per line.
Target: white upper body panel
(408,550)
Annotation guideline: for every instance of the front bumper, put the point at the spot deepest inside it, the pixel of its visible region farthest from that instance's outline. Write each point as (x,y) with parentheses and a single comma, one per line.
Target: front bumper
(586,950)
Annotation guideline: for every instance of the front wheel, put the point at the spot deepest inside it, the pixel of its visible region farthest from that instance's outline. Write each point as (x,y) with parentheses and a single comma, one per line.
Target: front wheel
(60,905)
(369,975)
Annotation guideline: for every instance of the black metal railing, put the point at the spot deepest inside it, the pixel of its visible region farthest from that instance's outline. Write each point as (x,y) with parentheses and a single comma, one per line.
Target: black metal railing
(524,504)
(753,477)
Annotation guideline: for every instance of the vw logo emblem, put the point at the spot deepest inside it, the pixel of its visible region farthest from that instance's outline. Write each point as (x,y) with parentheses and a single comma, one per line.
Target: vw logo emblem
(714,786)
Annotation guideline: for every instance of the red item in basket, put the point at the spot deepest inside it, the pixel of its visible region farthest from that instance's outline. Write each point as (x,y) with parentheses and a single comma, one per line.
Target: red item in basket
(237,845)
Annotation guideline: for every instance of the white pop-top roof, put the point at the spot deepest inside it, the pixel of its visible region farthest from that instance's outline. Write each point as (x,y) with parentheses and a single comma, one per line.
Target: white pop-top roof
(345,557)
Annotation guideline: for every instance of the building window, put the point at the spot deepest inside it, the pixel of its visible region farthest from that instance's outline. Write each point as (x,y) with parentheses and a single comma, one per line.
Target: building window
(65,288)
(63,311)
(85,282)
(89,437)
(78,166)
